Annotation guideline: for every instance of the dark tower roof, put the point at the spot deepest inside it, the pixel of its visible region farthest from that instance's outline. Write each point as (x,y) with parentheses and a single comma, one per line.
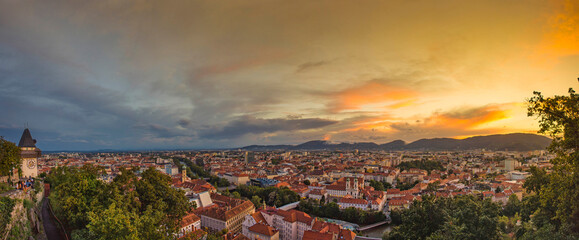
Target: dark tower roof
(26,139)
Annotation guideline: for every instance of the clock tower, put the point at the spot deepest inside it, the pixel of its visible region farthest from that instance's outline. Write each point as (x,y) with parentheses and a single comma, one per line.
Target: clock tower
(29,154)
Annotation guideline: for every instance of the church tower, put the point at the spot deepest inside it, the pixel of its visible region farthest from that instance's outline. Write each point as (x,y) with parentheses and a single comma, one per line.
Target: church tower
(356,190)
(348,185)
(29,154)
(183,174)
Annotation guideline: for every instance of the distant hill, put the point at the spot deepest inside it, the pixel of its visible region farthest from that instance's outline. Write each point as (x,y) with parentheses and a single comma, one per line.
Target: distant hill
(499,142)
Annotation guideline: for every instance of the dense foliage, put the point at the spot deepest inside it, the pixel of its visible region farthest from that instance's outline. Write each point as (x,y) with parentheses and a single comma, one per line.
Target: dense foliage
(380,186)
(332,210)
(273,196)
(5,187)
(558,191)
(6,206)
(275,161)
(405,186)
(9,157)
(464,217)
(126,208)
(427,165)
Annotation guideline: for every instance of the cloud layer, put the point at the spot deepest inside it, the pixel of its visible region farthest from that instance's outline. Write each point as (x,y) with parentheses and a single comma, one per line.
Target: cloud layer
(203,74)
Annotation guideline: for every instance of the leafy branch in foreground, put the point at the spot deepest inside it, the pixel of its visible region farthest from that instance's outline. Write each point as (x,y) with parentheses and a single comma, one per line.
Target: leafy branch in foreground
(559,190)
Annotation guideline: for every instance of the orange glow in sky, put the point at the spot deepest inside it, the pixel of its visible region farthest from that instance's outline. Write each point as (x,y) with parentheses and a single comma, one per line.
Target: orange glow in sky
(194,73)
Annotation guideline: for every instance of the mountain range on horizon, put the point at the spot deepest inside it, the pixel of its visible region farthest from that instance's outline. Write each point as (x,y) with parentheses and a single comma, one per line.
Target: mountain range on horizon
(496,142)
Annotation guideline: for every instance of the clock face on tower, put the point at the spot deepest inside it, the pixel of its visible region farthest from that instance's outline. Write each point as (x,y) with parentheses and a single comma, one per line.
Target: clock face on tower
(31,163)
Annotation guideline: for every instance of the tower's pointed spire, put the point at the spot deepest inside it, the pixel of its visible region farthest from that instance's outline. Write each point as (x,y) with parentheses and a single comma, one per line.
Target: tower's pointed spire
(26,139)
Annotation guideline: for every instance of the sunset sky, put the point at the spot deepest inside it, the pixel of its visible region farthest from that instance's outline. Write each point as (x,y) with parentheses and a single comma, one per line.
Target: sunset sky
(89,75)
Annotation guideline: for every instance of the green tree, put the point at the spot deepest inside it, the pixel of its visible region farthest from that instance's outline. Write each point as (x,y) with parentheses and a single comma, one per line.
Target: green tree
(350,214)
(537,180)
(529,205)
(126,208)
(509,225)
(548,231)
(332,209)
(272,195)
(421,220)
(236,195)
(378,186)
(406,186)
(113,223)
(513,206)
(463,217)
(386,185)
(154,190)
(558,191)
(9,157)
(74,192)
(257,201)
(433,187)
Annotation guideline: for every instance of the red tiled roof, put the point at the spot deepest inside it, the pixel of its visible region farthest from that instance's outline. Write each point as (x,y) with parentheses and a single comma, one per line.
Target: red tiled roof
(263,229)
(189,219)
(326,227)
(294,215)
(393,191)
(311,235)
(341,187)
(318,192)
(353,201)
(259,217)
(346,234)
(196,185)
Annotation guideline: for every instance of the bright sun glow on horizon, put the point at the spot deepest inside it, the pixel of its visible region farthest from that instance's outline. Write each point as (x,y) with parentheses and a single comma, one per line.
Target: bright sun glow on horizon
(200,74)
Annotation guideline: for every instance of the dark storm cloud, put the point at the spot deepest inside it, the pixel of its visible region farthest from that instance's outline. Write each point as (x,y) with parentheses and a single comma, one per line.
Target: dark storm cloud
(34,85)
(59,98)
(158,130)
(310,65)
(184,122)
(251,125)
